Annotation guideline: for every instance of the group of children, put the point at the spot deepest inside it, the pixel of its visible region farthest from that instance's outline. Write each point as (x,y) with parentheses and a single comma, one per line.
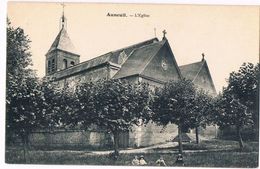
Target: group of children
(139,161)
(159,162)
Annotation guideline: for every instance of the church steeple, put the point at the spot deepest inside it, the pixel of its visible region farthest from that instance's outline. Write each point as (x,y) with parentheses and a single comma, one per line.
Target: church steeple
(62,53)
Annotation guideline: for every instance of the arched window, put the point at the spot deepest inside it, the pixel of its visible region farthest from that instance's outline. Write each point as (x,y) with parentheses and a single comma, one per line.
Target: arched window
(72,63)
(53,65)
(49,66)
(65,64)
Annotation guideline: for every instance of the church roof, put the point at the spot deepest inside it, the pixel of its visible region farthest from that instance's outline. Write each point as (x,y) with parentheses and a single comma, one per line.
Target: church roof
(190,71)
(139,58)
(113,55)
(193,71)
(63,42)
(128,50)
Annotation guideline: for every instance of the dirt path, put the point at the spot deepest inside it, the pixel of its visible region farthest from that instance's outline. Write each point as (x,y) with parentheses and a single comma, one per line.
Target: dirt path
(141,150)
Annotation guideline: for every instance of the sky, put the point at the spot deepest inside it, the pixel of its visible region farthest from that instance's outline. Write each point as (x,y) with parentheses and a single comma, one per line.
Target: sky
(227,35)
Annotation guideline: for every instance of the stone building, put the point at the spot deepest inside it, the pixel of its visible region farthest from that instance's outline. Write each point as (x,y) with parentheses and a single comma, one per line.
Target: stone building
(150,61)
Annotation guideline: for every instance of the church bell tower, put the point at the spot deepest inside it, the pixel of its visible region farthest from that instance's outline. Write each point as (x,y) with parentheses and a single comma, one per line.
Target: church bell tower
(62,53)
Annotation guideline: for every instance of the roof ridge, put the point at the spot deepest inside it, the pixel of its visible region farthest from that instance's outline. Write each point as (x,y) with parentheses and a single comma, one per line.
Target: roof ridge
(149,44)
(120,50)
(135,44)
(107,56)
(191,63)
(96,57)
(55,43)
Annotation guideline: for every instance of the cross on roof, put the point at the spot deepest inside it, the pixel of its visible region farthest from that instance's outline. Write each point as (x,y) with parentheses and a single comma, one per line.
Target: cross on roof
(203,55)
(63,6)
(63,17)
(164,33)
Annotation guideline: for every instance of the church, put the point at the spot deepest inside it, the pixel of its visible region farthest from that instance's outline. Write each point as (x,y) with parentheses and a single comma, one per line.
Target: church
(151,61)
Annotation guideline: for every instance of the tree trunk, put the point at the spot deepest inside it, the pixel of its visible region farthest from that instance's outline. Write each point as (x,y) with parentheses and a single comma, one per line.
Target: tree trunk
(180,139)
(25,148)
(197,135)
(116,142)
(216,132)
(241,144)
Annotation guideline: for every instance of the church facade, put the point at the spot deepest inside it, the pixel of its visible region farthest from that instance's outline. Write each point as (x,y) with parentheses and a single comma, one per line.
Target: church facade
(151,61)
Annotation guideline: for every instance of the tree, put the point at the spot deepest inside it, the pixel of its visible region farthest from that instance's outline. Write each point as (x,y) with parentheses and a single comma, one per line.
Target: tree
(243,85)
(203,105)
(18,54)
(231,112)
(115,105)
(23,91)
(237,105)
(57,106)
(174,103)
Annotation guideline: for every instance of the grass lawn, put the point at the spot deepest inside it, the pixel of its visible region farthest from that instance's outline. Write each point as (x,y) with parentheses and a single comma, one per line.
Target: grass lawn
(215,145)
(228,156)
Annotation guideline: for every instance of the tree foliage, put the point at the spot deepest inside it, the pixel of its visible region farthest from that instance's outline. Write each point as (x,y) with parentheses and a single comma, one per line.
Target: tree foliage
(203,105)
(24,98)
(23,90)
(115,105)
(18,53)
(57,106)
(202,111)
(244,86)
(237,105)
(231,112)
(174,103)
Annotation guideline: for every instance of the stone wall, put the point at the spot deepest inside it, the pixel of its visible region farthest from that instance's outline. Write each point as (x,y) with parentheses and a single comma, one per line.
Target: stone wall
(86,76)
(151,134)
(71,138)
(210,132)
(76,138)
(139,137)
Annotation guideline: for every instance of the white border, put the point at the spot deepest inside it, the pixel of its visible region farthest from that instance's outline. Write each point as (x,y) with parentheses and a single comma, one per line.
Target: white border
(3,15)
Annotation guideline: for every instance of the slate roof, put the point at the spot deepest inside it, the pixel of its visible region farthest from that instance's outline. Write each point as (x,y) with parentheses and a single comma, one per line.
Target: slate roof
(63,42)
(190,71)
(138,60)
(113,55)
(108,57)
(128,50)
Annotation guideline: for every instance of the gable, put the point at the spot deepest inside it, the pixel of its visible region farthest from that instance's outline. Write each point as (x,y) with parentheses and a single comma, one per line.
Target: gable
(190,71)
(138,59)
(199,74)
(162,66)
(204,80)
